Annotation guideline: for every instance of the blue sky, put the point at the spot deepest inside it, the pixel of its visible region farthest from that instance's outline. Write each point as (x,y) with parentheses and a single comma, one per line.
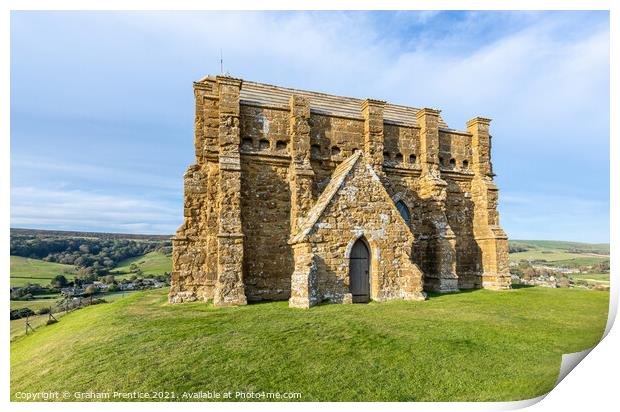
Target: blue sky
(102,103)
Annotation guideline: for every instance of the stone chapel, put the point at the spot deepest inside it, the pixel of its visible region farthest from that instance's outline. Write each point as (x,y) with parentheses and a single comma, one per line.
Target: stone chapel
(314,198)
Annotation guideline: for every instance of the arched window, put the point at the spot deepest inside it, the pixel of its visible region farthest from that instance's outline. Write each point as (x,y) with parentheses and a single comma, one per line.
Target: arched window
(404,212)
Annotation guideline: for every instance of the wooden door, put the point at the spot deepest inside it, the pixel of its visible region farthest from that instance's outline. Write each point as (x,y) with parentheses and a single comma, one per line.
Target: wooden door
(359,272)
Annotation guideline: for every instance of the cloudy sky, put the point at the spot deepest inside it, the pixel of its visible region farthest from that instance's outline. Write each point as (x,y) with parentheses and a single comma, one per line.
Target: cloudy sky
(102,103)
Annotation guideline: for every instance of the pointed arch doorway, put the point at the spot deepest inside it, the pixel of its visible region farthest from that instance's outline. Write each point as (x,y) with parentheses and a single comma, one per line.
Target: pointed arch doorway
(359,272)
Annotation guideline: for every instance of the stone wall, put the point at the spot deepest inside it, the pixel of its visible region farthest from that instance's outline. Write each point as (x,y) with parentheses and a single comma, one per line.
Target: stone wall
(266,205)
(402,146)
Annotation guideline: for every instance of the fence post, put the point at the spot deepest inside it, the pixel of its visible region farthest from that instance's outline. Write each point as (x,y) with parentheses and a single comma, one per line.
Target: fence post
(51,316)
(28,325)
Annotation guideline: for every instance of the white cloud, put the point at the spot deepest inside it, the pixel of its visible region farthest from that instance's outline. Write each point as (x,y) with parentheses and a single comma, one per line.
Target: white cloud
(74,209)
(94,172)
(537,71)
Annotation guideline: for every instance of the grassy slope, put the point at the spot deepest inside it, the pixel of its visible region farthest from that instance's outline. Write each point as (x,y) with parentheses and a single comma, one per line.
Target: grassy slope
(35,304)
(601,248)
(596,278)
(558,258)
(559,253)
(18,326)
(26,270)
(480,345)
(153,263)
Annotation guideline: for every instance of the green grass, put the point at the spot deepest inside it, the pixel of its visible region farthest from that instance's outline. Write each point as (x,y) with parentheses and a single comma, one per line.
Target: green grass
(18,326)
(153,263)
(474,346)
(34,304)
(595,278)
(26,270)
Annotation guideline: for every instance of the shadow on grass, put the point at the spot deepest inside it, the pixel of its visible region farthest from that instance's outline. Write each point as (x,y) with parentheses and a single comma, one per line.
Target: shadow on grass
(265,301)
(522,286)
(434,295)
(429,295)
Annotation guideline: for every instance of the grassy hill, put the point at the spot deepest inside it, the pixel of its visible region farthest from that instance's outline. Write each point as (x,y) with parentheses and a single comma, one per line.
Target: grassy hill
(26,270)
(558,253)
(86,235)
(599,248)
(153,263)
(474,346)
(18,326)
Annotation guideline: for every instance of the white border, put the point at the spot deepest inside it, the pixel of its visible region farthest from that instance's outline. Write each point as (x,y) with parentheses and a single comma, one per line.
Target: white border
(592,385)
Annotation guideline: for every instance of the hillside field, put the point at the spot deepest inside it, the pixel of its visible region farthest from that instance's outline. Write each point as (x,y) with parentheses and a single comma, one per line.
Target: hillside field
(18,326)
(471,346)
(153,263)
(26,270)
(598,248)
(558,253)
(595,278)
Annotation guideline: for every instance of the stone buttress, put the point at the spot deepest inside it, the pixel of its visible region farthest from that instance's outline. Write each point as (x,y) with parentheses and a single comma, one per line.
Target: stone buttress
(439,256)
(490,237)
(208,247)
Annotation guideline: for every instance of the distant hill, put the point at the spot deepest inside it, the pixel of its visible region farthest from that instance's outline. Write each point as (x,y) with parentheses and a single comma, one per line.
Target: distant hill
(578,247)
(87,235)
(554,253)
(39,255)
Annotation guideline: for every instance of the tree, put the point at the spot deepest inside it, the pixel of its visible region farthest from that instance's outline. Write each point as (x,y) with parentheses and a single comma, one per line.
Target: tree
(59,281)
(109,279)
(133,268)
(90,290)
(84,272)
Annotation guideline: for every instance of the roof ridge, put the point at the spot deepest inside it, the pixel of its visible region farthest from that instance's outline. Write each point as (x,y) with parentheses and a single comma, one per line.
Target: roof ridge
(325,103)
(292,89)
